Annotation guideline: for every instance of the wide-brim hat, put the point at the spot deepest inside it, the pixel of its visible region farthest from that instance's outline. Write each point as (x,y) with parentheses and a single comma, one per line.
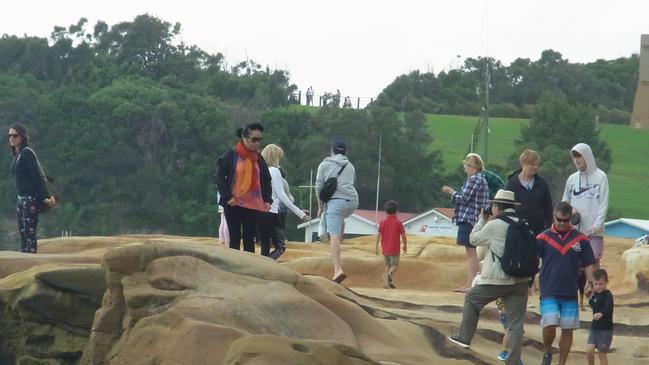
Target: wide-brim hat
(504,197)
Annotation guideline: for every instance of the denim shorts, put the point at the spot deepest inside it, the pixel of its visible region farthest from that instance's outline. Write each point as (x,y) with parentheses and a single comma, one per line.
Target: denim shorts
(336,210)
(560,312)
(601,339)
(463,232)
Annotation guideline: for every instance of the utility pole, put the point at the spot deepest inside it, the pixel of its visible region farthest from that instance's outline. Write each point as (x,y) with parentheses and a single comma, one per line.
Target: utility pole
(378,183)
(486,120)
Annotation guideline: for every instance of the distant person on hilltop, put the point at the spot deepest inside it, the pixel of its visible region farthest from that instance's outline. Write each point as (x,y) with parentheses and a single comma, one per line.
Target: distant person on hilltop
(532,191)
(30,186)
(336,99)
(469,201)
(348,102)
(337,199)
(587,191)
(391,234)
(309,96)
(244,185)
(269,225)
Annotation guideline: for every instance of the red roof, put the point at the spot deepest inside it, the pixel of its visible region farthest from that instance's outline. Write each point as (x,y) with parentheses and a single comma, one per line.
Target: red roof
(370,215)
(449,212)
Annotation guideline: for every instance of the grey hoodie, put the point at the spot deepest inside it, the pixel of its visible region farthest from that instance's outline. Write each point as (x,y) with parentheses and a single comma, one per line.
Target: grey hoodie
(329,167)
(587,192)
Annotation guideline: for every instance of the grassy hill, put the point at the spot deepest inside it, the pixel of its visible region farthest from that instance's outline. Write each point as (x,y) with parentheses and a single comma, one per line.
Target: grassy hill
(628,178)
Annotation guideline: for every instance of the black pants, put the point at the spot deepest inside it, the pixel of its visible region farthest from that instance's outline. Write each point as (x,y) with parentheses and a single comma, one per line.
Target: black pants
(269,232)
(240,220)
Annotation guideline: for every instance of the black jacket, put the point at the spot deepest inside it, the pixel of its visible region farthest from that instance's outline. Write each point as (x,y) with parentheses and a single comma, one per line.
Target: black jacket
(536,204)
(225,172)
(602,303)
(27,176)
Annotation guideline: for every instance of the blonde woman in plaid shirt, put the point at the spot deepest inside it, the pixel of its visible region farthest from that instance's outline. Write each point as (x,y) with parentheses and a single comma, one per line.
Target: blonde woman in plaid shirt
(469,202)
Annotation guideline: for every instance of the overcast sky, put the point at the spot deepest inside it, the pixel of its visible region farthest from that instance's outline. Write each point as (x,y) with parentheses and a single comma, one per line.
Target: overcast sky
(361,46)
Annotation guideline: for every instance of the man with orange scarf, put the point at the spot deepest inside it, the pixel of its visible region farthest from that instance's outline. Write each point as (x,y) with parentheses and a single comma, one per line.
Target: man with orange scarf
(244,185)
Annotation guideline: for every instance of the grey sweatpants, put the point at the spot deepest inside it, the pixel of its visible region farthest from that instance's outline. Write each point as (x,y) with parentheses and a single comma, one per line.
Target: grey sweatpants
(515,299)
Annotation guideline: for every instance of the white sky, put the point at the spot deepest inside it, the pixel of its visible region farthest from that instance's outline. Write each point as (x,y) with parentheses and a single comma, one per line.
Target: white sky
(360,46)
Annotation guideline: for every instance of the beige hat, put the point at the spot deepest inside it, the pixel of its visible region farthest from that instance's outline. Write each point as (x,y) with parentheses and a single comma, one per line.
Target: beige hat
(505,197)
(474,160)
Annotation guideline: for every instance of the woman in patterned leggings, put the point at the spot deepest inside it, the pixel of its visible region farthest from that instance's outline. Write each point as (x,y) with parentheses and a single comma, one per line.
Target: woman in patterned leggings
(29,186)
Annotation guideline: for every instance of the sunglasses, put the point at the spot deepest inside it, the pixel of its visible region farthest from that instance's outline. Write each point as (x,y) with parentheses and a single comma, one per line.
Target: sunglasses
(562,220)
(13,135)
(255,139)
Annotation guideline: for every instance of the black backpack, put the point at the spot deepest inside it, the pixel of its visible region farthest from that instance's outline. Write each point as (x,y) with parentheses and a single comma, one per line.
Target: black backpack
(521,256)
(329,186)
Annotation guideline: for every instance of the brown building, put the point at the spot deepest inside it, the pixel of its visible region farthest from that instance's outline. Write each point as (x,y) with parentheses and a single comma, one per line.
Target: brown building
(640,115)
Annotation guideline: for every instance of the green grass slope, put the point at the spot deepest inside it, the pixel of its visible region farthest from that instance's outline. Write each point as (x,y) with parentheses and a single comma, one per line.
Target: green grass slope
(628,178)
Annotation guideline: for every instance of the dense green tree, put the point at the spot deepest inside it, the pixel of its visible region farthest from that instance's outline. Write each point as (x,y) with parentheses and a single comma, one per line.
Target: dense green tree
(606,86)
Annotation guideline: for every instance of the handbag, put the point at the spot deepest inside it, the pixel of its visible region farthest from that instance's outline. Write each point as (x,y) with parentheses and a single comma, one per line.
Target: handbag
(50,188)
(329,186)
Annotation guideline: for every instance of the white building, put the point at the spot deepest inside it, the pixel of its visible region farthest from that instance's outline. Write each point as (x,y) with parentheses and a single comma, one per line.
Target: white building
(435,223)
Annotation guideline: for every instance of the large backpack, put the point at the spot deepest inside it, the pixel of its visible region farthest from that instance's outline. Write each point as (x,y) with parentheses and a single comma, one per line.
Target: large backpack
(494,182)
(521,256)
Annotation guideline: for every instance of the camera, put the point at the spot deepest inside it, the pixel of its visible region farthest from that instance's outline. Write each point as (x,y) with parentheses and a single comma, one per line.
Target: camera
(576,218)
(487,211)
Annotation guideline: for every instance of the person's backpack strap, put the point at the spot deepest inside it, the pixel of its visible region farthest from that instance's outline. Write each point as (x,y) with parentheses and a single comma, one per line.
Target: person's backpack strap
(341,170)
(38,163)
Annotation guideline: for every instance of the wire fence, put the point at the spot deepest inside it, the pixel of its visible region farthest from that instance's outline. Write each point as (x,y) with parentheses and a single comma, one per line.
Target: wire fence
(330,100)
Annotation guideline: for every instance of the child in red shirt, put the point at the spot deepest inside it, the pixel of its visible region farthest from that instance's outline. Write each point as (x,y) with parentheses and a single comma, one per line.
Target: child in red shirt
(390,230)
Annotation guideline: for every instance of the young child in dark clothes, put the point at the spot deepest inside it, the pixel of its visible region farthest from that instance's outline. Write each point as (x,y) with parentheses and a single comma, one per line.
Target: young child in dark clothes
(601,330)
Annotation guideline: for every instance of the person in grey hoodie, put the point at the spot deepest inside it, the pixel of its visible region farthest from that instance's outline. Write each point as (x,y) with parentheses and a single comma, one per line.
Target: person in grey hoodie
(489,235)
(587,191)
(343,202)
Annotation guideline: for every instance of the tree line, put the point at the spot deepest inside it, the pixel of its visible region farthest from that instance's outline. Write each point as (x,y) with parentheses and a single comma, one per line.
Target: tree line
(131,121)
(606,86)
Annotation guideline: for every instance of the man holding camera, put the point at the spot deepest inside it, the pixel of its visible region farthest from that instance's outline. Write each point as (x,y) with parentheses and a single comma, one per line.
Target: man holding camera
(493,283)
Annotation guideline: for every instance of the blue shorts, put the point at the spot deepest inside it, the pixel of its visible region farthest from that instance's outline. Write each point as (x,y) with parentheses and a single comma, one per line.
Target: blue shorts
(463,231)
(559,312)
(336,210)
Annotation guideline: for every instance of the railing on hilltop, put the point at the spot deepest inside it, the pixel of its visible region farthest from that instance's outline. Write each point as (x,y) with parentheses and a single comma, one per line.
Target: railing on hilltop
(331,100)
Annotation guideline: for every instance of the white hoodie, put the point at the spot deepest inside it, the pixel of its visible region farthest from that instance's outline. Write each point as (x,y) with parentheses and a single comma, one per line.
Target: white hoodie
(587,192)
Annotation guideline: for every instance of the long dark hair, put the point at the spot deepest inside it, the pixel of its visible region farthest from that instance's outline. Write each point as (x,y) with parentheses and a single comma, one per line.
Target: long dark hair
(245,131)
(22,131)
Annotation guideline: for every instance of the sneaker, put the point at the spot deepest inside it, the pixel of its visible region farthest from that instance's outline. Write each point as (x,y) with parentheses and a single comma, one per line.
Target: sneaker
(456,340)
(547,359)
(277,253)
(386,282)
(502,356)
(390,284)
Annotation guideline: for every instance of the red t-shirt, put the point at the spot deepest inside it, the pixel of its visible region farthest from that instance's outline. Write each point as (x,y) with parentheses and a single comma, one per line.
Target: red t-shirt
(391,229)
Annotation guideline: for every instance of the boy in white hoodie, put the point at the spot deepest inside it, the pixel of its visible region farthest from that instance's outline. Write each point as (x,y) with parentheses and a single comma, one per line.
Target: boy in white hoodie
(587,191)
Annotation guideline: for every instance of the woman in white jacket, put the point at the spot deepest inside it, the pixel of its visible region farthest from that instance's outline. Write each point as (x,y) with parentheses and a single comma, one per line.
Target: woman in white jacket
(269,224)
(493,282)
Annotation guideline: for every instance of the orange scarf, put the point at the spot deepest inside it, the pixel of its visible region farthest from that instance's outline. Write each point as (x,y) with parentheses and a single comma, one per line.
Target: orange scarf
(246,189)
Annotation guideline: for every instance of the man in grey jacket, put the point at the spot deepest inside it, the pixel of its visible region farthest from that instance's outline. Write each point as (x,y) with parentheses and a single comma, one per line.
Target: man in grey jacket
(343,202)
(493,283)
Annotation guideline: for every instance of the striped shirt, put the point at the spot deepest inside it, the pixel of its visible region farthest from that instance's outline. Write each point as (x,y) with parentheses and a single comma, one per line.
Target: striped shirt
(471,199)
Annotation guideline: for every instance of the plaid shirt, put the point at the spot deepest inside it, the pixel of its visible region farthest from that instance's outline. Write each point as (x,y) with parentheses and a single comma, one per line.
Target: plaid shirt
(471,199)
